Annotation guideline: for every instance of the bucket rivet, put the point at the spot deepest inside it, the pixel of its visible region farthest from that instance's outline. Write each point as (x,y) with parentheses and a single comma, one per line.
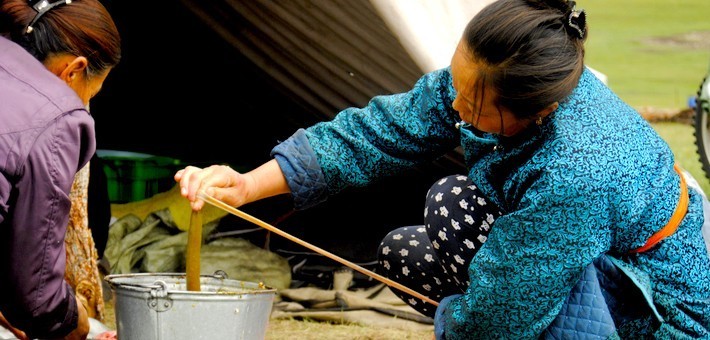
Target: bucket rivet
(166,304)
(236,311)
(153,303)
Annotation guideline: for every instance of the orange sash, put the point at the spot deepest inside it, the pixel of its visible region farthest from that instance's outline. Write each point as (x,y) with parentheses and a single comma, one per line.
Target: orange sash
(675,220)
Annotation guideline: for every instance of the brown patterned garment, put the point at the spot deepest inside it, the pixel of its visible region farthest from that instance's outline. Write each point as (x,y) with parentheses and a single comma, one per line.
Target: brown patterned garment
(82,271)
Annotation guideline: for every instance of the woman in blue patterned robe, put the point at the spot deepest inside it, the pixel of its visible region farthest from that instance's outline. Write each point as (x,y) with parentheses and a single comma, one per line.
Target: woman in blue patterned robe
(565,184)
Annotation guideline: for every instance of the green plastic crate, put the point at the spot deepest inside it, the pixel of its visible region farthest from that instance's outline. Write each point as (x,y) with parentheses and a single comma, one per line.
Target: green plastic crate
(133,176)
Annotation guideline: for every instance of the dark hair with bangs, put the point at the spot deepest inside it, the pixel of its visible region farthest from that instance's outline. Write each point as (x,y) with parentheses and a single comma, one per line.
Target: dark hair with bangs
(530,57)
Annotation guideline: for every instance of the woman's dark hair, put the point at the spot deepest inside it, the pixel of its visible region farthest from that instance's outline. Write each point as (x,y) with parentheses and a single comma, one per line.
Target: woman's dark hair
(78,27)
(531,53)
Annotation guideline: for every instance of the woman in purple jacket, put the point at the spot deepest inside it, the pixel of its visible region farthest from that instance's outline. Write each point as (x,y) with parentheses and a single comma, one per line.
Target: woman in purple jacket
(54,57)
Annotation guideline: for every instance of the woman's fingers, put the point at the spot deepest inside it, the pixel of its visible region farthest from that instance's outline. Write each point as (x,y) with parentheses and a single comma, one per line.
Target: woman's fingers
(108,335)
(193,181)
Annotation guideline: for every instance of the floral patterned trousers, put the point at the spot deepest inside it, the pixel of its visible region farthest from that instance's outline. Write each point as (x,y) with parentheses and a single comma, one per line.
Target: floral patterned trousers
(433,259)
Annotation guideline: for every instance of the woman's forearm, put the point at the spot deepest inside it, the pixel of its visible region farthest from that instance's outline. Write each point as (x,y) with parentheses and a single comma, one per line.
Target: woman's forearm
(267,180)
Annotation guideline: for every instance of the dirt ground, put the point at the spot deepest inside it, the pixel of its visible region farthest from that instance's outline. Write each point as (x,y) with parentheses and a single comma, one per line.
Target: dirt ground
(280,329)
(696,40)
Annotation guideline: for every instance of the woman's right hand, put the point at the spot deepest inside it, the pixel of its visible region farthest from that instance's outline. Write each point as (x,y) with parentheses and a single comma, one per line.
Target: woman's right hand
(16,332)
(108,335)
(229,186)
(81,332)
(218,181)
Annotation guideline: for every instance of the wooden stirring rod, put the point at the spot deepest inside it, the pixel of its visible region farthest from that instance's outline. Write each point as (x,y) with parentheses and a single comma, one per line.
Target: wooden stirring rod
(211,200)
(194,243)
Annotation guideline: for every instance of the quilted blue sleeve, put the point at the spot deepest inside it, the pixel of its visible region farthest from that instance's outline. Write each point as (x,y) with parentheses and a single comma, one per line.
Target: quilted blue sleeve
(587,313)
(439,320)
(300,167)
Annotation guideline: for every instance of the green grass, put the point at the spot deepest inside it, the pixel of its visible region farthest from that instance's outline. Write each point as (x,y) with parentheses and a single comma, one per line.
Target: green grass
(681,140)
(641,72)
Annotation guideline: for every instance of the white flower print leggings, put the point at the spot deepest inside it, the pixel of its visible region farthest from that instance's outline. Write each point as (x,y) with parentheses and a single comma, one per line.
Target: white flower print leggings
(433,259)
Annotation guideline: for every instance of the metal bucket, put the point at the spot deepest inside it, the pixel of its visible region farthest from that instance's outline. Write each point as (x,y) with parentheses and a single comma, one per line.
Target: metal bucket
(159,307)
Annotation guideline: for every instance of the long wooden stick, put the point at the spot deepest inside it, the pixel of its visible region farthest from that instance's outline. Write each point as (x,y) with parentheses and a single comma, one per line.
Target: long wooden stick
(211,200)
(194,244)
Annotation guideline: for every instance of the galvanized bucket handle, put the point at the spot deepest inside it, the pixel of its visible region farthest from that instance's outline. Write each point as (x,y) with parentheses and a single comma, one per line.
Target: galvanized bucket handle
(159,299)
(220,274)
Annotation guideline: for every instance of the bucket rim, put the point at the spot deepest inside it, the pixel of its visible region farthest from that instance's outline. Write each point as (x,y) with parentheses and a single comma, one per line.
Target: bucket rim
(160,284)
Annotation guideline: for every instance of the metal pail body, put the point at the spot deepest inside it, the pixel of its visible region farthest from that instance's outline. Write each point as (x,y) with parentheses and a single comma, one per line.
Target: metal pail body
(159,307)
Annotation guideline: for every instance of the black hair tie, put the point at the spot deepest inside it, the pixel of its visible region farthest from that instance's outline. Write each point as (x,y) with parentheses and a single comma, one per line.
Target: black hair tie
(43,6)
(577,21)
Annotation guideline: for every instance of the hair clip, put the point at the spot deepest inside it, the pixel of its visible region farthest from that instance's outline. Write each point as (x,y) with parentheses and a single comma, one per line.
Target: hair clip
(578,21)
(43,6)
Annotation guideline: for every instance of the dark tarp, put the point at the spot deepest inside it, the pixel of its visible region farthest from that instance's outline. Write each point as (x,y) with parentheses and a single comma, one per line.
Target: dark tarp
(326,54)
(224,81)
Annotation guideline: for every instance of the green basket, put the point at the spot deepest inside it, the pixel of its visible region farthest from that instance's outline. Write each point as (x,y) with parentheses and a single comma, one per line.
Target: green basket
(133,176)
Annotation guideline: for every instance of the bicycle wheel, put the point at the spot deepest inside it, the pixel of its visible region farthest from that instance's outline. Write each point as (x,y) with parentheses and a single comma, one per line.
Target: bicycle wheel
(702,125)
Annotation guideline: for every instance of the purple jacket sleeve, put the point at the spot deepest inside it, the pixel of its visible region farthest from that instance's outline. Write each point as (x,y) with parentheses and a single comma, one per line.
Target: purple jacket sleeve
(35,296)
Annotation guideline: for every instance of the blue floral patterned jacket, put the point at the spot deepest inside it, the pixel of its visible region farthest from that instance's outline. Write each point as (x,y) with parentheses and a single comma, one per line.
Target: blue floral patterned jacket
(593,180)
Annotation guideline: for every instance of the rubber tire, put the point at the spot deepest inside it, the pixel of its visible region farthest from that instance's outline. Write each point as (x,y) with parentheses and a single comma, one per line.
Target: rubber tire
(701,121)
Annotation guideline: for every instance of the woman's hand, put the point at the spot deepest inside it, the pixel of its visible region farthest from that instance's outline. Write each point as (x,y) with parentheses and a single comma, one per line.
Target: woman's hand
(82,329)
(218,181)
(80,333)
(16,332)
(229,186)
(108,335)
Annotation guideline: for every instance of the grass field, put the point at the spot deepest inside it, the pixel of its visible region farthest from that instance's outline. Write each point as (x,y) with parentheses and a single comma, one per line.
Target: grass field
(654,52)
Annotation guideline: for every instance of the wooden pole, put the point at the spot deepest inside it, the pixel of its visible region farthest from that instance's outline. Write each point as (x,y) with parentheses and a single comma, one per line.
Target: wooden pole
(239,213)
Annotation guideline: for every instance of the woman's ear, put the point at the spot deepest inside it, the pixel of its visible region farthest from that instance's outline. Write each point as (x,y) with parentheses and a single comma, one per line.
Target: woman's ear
(549,109)
(66,66)
(74,68)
